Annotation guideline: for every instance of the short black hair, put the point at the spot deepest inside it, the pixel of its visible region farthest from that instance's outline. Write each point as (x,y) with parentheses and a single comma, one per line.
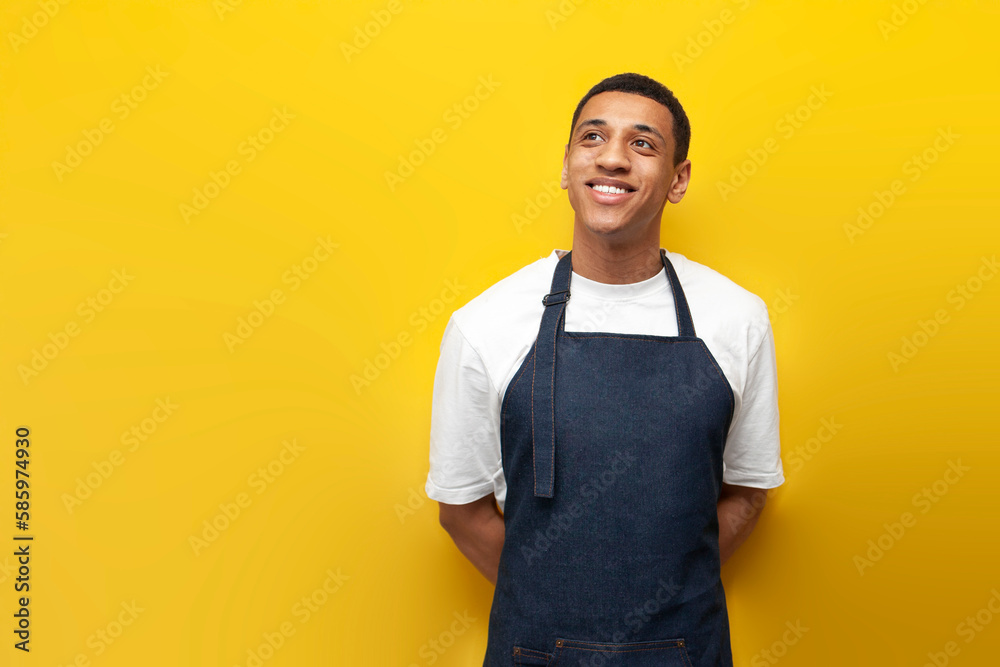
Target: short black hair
(637,84)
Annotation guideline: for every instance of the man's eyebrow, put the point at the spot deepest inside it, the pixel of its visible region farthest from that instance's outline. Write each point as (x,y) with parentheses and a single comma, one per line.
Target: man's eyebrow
(647,128)
(597,122)
(600,122)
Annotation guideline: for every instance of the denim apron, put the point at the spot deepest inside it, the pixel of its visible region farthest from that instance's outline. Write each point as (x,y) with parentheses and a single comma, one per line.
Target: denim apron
(611,550)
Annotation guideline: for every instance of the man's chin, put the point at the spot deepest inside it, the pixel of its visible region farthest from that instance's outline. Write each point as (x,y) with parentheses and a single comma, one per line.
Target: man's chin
(606,226)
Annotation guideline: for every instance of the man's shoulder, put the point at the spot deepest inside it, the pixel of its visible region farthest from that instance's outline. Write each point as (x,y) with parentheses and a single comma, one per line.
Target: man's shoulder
(506,301)
(711,290)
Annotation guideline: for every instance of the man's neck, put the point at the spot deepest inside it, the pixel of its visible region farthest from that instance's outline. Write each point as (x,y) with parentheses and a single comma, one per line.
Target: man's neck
(596,259)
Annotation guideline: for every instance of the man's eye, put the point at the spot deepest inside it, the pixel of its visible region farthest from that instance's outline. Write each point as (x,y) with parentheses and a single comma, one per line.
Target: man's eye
(591,134)
(648,145)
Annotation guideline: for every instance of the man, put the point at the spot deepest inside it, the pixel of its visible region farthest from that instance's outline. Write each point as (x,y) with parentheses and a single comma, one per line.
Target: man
(629,452)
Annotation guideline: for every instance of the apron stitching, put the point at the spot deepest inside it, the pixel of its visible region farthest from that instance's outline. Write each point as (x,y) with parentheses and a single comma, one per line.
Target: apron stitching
(715,365)
(514,383)
(506,403)
(626,650)
(689,339)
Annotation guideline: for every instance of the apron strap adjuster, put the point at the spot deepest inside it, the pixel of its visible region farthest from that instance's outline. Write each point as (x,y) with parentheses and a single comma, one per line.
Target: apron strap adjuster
(554,298)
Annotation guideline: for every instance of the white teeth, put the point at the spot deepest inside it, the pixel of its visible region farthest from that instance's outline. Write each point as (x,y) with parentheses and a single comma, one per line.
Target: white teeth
(609,189)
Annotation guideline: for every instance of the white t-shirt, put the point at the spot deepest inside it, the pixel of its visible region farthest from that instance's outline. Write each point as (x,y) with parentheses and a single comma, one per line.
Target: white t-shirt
(486,340)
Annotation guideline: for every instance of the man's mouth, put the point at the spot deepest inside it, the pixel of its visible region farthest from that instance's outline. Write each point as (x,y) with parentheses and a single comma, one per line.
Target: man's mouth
(609,186)
(610,189)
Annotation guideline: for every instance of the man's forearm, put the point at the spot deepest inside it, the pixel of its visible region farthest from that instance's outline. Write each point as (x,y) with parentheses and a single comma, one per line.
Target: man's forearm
(738,515)
(481,541)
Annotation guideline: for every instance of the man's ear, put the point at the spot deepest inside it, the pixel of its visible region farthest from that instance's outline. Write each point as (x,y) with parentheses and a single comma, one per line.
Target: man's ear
(679,183)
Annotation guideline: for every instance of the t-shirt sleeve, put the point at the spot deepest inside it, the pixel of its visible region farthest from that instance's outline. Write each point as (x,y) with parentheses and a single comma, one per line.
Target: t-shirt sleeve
(465,457)
(752,455)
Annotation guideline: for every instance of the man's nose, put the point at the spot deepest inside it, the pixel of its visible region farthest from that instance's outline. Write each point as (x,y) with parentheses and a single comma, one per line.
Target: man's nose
(613,157)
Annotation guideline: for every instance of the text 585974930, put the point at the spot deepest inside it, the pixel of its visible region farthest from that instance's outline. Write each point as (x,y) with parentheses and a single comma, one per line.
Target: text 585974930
(22,544)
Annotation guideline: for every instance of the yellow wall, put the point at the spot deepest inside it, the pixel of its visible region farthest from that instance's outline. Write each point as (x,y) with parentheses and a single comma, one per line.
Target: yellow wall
(150,108)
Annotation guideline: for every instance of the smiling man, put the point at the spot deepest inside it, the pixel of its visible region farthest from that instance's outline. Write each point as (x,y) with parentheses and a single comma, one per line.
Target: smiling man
(605,421)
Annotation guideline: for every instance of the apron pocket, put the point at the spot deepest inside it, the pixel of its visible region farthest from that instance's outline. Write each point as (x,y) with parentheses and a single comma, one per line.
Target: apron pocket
(660,653)
(527,656)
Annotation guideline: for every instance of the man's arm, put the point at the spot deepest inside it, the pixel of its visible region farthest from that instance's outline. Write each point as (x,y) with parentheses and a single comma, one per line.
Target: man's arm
(478,531)
(739,508)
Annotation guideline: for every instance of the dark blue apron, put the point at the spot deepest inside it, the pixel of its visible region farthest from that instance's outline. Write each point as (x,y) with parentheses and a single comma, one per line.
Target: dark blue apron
(611,550)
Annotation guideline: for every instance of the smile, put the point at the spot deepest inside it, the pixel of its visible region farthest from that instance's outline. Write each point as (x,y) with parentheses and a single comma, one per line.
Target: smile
(609,194)
(610,189)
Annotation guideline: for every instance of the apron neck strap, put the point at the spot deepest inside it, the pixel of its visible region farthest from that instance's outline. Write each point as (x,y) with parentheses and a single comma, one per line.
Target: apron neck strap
(559,294)
(544,365)
(685,325)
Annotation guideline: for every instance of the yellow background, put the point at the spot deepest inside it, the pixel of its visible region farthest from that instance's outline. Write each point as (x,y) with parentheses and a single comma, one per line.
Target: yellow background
(352,501)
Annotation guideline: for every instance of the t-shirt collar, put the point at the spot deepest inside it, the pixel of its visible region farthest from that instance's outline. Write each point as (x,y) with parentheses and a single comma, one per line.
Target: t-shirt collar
(613,292)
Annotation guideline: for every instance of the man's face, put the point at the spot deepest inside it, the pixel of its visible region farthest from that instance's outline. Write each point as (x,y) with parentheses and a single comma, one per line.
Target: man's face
(624,141)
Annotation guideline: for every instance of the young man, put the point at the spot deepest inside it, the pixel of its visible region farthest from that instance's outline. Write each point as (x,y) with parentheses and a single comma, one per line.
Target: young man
(619,402)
